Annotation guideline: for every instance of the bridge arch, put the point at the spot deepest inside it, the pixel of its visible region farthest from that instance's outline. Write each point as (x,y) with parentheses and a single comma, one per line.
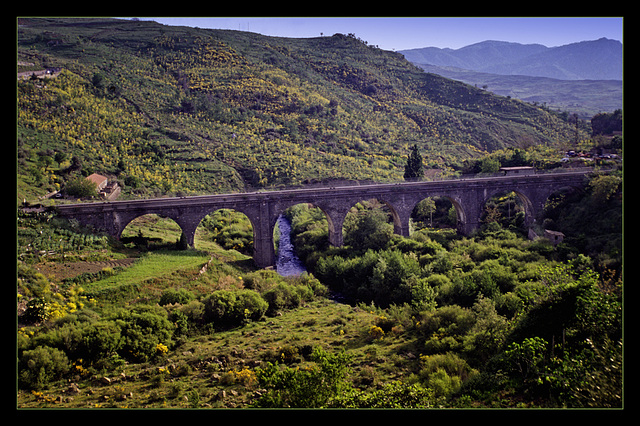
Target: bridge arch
(508,208)
(123,219)
(420,210)
(318,222)
(462,206)
(157,227)
(528,199)
(333,211)
(364,223)
(230,229)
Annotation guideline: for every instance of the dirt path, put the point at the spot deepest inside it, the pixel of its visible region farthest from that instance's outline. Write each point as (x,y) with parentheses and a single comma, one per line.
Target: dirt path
(72,269)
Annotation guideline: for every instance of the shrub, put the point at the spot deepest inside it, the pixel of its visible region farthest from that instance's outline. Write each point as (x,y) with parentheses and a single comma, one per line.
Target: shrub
(251,305)
(376,333)
(142,330)
(452,320)
(262,280)
(81,187)
(180,296)
(449,362)
(229,308)
(220,307)
(194,311)
(40,366)
(282,296)
(311,387)
(443,384)
(423,295)
(395,394)
(100,340)
(311,282)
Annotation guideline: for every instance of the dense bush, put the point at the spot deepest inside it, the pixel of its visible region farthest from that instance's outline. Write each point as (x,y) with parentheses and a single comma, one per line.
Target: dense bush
(142,329)
(286,296)
(304,388)
(179,296)
(225,308)
(40,366)
(367,229)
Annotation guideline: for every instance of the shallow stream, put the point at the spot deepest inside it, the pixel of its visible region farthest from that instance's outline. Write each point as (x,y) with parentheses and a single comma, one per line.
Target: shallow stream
(287,261)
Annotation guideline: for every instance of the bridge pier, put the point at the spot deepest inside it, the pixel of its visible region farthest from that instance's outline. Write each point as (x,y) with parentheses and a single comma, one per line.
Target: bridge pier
(335,211)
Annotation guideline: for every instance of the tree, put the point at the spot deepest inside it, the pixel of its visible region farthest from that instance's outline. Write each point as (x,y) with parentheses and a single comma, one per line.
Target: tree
(424,209)
(603,188)
(368,230)
(81,187)
(606,123)
(413,169)
(490,165)
(98,80)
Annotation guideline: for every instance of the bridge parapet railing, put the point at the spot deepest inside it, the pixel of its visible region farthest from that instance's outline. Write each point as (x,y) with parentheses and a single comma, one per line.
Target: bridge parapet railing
(337,184)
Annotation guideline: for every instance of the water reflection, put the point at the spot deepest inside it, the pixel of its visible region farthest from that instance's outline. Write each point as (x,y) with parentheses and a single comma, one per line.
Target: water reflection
(287,262)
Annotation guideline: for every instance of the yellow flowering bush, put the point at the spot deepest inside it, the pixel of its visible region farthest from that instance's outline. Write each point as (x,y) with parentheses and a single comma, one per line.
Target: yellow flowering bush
(376,333)
(246,377)
(162,348)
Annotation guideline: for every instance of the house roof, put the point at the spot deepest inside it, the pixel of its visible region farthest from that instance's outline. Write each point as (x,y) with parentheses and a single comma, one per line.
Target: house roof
(96,178)
(516,168)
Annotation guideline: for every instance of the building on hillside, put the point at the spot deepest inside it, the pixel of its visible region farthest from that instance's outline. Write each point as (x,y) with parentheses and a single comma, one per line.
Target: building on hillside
(106,190)
(520,170)
(555,237)
(99,180)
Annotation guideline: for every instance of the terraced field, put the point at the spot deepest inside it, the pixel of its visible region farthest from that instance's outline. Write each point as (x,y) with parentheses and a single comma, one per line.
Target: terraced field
(65,270)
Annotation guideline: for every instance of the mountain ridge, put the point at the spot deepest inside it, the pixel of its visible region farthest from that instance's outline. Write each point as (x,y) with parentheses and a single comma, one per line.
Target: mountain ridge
(583,97)
(599,59)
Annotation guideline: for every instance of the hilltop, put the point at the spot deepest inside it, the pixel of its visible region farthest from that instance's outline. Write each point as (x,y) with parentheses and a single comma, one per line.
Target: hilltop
(184,110)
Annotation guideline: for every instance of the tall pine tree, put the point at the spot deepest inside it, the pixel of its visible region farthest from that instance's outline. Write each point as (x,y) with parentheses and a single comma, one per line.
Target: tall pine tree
(413,169)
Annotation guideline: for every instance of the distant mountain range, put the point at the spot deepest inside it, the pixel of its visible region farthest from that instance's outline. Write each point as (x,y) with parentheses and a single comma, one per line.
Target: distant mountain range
(583,78)
(586,60)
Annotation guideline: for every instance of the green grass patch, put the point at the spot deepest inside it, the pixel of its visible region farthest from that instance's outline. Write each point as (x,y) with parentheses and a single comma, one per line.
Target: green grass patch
(151,266)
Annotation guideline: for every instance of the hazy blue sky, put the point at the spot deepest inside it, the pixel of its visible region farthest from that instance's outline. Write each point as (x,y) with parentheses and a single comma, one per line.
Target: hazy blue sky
(409,33)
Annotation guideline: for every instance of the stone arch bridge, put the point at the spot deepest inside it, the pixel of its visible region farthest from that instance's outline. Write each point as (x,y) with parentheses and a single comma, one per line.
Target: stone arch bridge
(468,196)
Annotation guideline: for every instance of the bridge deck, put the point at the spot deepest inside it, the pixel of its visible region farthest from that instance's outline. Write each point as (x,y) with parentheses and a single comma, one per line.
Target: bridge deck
(336,191)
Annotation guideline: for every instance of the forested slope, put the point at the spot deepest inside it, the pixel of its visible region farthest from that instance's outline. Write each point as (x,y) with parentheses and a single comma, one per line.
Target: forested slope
(184,110)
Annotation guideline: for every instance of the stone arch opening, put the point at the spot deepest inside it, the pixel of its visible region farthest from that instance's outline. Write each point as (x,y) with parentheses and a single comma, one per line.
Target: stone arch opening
(509,208)
(436,212)
(555,202)
(229,229)
(294,251)
(370,224)
(151,231)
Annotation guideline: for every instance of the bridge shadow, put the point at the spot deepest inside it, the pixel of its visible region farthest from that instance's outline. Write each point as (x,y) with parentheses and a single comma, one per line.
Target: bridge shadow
(246,265)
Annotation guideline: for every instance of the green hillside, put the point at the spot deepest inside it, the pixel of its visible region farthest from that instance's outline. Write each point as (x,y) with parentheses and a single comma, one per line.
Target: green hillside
(184,110)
